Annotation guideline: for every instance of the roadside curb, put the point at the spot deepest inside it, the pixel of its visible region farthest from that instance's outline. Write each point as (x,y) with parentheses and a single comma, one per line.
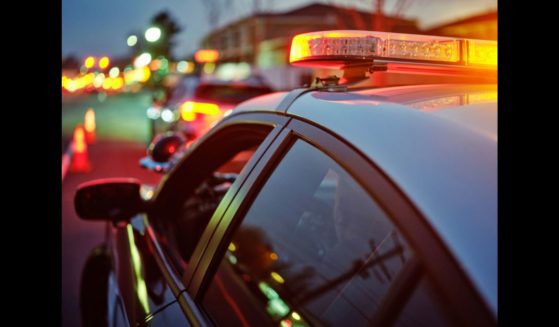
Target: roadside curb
(67,158)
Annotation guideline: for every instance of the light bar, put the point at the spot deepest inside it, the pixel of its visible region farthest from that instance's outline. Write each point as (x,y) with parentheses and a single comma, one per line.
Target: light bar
(341,48)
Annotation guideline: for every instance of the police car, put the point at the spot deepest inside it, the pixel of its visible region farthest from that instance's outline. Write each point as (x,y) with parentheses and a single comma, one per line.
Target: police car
(340,204)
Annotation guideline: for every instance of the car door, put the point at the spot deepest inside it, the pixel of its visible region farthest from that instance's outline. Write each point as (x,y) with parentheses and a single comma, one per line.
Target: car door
(317,236)
(142,285)
(155,248)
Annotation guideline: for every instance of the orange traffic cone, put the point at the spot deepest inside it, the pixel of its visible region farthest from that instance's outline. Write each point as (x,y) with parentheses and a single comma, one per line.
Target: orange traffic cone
(80,161)
(90,126)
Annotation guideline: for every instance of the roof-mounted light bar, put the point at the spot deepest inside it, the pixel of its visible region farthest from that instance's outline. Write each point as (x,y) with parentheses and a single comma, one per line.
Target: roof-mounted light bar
(336,49)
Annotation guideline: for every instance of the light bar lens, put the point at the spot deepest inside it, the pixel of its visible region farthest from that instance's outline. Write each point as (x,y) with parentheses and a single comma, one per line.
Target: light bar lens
(482,52)
(441,50)
(343,43)
(346,46)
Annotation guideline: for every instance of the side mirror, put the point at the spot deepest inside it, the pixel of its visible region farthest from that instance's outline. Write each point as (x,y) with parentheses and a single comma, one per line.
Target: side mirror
(113,199)
(161,151)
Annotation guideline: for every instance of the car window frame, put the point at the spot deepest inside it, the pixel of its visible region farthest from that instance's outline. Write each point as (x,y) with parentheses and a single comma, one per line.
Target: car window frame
(434,258)
(165,194)
(164,189)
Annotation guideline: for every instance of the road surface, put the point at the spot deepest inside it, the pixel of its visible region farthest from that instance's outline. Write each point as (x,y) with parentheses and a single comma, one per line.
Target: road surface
(122,132)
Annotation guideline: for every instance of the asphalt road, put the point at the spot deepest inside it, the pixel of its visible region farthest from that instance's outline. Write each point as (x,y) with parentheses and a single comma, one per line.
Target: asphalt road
(118,117)
(122,133)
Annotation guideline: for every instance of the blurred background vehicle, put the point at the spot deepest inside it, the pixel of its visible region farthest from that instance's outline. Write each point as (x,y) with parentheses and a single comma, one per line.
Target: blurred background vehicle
(197,102)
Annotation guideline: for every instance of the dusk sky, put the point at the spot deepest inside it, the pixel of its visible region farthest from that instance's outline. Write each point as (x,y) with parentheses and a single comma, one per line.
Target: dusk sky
(101,27)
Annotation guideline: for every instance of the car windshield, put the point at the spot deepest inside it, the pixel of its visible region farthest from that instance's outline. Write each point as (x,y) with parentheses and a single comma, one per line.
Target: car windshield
(184,89)
(230,94)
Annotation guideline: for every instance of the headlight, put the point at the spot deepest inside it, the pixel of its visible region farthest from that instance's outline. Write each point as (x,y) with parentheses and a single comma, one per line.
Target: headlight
(153,113)
(168,115)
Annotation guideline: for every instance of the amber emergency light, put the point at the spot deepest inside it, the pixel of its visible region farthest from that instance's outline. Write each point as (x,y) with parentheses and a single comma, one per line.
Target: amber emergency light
(339,49)
(206,55)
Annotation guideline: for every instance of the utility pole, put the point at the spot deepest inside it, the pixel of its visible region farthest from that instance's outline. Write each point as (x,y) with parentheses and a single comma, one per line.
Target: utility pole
(256,7)
(379,23)
(212,9)
(400,7)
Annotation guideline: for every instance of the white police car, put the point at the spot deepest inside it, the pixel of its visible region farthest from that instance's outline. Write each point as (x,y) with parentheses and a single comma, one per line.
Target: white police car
(341,204)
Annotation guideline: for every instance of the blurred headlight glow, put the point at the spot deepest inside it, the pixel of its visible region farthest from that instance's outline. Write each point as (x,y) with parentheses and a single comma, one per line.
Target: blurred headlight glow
(114,72)
(142,60)
(89,62)
(104,62)
(132,40)
(167,115)
(153,113)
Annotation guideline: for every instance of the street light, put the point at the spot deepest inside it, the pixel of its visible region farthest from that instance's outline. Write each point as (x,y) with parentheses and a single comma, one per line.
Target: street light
(89,62)
(153,34)
(104,62)
(132,40)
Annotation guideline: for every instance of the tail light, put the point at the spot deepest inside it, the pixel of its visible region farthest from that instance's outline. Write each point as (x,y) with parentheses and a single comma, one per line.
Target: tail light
(190,109)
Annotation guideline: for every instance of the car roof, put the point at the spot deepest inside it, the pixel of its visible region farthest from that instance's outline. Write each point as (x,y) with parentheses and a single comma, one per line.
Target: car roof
(438,143)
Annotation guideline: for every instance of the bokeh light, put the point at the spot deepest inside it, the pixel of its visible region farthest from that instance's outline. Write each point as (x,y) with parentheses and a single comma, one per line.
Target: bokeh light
(153,34)
(89,62)
(142,60)
(104,62)
(114,72)
(132,40)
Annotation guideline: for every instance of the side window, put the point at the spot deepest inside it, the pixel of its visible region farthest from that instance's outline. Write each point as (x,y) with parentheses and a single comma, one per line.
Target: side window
(424,308)
(198,208)
(199,186)
(313,249)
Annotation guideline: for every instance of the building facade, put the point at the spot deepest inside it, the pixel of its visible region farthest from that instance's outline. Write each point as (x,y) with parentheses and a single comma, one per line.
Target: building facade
(263,40)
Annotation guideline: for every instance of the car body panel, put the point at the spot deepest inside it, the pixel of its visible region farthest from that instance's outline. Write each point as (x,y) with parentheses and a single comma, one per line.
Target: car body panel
(141,284)
(439,262)
(116,313)
(437,143)
(268,102)
(172,315)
